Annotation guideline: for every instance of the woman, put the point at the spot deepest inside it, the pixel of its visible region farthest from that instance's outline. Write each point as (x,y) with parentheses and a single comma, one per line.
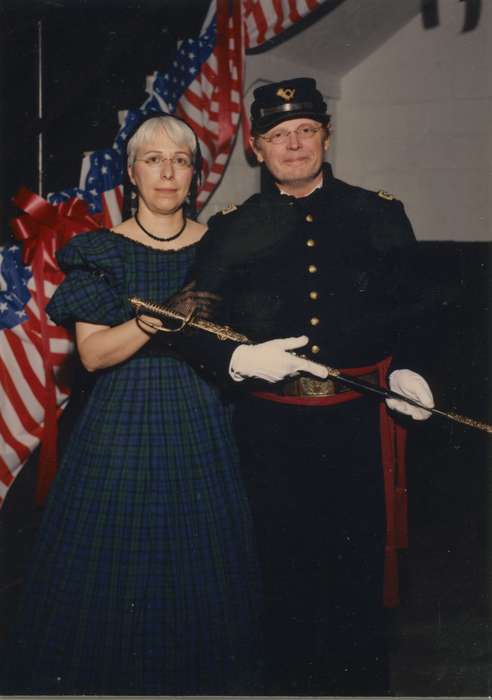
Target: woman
(144,577)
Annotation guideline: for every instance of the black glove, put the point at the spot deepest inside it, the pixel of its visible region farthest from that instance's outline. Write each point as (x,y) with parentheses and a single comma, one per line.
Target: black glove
(187,300)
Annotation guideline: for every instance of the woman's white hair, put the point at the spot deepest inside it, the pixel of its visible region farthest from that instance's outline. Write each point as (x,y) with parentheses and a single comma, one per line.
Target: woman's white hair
(177,130)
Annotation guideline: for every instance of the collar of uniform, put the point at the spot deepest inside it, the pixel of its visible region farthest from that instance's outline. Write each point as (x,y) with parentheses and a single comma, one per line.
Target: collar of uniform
(269,186)
(286,194)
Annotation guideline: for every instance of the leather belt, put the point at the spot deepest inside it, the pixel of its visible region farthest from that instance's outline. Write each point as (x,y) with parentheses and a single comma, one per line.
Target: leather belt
(310,386)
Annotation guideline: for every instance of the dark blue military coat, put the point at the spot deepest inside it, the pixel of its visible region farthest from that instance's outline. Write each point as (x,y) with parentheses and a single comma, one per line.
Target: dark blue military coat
(338,265)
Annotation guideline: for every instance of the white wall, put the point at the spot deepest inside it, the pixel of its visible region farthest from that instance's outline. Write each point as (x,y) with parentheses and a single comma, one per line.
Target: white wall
(415,119)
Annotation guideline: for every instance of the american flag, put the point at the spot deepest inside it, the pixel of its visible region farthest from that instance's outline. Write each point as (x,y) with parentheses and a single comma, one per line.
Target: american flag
(203,85)
(28,384)
(33,350)
(267,19)
(101,185)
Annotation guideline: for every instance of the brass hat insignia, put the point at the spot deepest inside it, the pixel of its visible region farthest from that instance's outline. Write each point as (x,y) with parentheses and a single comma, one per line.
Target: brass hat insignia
(286,93)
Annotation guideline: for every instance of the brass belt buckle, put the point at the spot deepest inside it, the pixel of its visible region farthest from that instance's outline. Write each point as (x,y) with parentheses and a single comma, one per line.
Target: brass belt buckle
(309,386)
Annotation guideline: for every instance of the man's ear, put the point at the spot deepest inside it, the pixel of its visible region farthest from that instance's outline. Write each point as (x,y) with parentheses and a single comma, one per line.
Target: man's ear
(255,149)
(326,144)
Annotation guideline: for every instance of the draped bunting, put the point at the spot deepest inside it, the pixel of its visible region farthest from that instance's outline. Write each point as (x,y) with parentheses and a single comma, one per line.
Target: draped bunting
(43,229)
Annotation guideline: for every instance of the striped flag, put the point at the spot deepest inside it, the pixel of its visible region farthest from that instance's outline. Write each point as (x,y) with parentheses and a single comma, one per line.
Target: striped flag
(33,350)
(267,19)
(101,185)
(24,380)
(203,86)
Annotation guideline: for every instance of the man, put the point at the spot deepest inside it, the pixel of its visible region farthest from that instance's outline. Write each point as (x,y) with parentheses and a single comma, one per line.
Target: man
(314,255)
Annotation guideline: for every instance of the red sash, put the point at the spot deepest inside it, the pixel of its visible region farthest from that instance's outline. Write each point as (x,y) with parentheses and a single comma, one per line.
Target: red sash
(393,442)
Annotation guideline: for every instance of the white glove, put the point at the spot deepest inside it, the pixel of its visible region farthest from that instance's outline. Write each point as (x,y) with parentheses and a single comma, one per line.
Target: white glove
(272,361)
(411,384)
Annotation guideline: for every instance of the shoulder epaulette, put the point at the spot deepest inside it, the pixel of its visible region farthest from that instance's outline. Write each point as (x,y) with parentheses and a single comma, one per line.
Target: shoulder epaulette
(228,209)
(386,195)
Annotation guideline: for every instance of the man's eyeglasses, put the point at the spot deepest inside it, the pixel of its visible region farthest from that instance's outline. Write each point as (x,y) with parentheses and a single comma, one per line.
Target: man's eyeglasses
(303,133)
(180,161)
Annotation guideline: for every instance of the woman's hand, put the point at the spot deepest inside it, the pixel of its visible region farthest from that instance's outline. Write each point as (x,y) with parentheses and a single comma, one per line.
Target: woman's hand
(148,324)
(104,346)
(188,299)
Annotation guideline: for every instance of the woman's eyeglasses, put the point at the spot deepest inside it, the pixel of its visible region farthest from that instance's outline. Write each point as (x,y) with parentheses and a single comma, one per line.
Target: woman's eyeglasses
(180,161)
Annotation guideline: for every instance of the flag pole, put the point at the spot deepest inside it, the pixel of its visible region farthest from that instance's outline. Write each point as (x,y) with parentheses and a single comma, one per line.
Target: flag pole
(40,58)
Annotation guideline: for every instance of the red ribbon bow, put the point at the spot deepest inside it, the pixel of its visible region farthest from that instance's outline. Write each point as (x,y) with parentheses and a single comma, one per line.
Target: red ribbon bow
(44,229)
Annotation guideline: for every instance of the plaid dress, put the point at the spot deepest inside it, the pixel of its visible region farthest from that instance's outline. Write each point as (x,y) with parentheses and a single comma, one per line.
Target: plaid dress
(144,578)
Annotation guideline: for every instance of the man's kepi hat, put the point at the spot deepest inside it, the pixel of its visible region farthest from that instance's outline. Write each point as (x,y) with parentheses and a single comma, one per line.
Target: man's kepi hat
(289,99)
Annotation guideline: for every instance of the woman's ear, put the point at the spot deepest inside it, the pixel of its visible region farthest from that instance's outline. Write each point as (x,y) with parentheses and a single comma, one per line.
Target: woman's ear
(130,174)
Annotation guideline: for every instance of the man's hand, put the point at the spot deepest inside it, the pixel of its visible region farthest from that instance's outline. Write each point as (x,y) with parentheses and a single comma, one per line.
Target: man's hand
(272,361)
(412,385)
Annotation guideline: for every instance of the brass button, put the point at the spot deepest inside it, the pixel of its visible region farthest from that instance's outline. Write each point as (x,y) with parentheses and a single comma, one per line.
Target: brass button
(312,269)
(309,218)
(314,321)
(315,349)
(313,295)
(310,242)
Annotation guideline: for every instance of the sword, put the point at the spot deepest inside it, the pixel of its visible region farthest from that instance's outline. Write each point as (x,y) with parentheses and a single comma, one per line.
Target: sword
(226,333)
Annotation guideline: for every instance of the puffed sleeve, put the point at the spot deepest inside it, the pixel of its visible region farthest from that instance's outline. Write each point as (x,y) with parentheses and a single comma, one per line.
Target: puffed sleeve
(93,289)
